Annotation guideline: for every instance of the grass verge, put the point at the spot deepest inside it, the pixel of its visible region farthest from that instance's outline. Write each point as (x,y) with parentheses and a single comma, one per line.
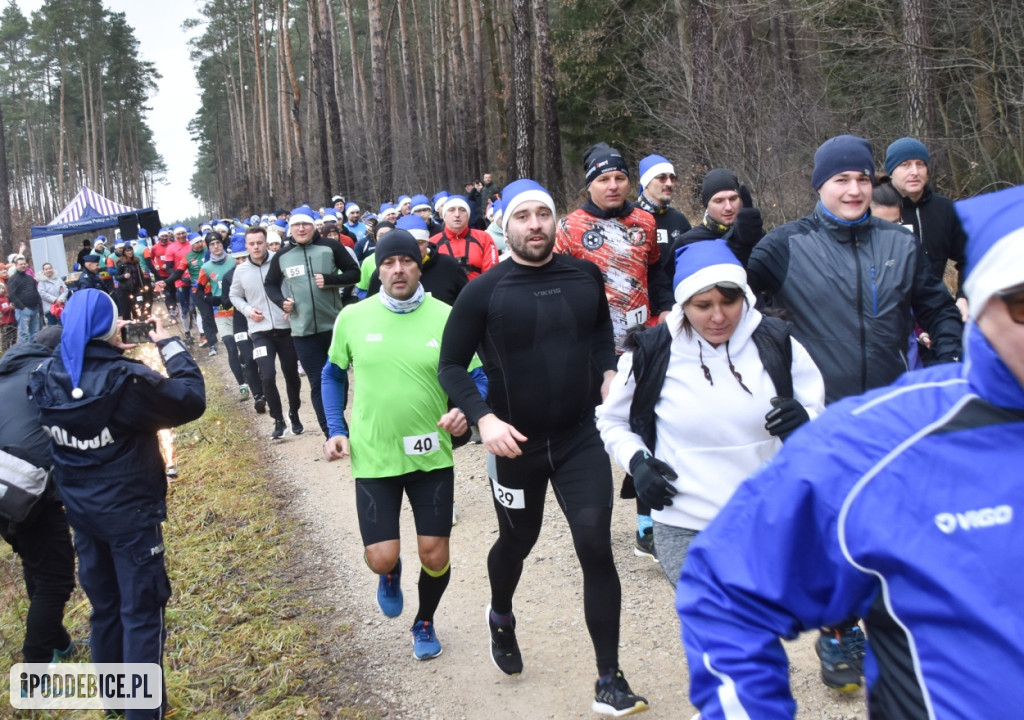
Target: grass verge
(247,637)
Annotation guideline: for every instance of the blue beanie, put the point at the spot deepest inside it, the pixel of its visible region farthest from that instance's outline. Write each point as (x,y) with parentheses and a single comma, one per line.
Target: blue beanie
(414,225)
(841,154)
(703,264)
(906,148)
(652,166)
(518,192)
(89,315)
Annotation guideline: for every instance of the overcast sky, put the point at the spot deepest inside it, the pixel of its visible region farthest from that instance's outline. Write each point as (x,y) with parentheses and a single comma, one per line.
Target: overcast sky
(162,41)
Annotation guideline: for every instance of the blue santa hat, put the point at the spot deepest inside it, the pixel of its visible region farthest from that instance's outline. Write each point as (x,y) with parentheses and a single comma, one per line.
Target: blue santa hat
(453,201)
(350,206)
(330,215)
(652,166)
(237,245)
(415,226)
(994,224)
(143,233)
(402,200)
(421,202)
(89,315)
(301,214)
(386,207)
(518,192)
(704,264)
(438,201)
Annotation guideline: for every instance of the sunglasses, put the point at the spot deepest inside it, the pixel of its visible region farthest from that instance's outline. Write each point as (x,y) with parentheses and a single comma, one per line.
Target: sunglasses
(1014,300)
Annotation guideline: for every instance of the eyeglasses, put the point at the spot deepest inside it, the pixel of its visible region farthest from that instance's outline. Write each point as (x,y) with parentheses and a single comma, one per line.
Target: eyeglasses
(1014,300)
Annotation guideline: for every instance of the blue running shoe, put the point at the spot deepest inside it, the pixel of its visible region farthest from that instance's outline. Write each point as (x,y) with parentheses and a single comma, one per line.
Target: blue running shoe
(389,592)
(425,644)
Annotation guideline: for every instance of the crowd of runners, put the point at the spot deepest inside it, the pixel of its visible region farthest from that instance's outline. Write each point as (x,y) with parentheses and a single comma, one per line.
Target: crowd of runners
(691,355)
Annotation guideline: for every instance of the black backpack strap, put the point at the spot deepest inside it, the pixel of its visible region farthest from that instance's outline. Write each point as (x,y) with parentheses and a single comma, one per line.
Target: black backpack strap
(651,350)
(772,337)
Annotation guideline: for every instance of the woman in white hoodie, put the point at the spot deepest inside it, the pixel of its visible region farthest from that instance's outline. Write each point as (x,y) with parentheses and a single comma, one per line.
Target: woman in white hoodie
(716,398)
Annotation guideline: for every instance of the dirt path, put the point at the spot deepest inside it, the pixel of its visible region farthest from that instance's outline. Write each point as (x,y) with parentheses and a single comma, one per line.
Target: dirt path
(462,683)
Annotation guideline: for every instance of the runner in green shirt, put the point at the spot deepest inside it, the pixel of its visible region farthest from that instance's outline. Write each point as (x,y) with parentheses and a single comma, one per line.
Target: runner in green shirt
(401,431)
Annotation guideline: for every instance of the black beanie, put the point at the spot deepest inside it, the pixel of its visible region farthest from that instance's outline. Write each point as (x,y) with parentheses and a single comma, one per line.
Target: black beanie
(397,242)
(716,181)
(600,159)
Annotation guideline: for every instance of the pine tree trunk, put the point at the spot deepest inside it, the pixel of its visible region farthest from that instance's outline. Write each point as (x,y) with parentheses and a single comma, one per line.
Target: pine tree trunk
(317,98)
(549,103)
(6,230)
(383,179)
(521,160)
(302,182)
(337,145)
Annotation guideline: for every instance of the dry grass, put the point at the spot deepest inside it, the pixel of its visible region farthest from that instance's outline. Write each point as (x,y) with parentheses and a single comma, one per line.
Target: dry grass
(244,638)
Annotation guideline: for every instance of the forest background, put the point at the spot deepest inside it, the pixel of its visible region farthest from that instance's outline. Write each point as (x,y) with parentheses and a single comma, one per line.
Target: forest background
(375,98)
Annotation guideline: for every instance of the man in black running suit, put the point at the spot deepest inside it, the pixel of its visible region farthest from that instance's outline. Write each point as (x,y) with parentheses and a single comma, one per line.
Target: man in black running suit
(544,334)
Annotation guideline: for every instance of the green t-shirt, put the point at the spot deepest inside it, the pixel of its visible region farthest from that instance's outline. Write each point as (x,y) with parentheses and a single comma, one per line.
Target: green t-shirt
(396,399)
(366,272)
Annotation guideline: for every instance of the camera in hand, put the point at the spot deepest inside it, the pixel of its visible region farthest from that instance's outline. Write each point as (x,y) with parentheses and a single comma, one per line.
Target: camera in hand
(137,332)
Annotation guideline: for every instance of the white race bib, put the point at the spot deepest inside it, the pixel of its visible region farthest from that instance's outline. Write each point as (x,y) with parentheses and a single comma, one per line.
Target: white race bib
(512,499)
(241,337)
(636,316)
(295,271)
(260,351)
(421,444)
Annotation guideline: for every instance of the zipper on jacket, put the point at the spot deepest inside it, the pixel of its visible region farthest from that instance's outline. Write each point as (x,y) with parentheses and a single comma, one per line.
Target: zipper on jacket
(860,315)
(874,293)
(312,287)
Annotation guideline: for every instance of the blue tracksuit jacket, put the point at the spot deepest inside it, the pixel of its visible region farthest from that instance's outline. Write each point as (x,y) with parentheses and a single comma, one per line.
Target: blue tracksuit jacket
(902,506)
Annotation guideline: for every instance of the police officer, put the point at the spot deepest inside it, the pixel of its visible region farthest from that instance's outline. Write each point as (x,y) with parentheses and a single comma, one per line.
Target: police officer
(102,412)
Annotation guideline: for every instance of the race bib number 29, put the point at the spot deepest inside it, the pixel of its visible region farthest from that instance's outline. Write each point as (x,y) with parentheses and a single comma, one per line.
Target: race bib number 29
(512,498)
(420,444)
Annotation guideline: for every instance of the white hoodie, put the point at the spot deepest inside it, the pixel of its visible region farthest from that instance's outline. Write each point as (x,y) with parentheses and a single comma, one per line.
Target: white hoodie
(712,435)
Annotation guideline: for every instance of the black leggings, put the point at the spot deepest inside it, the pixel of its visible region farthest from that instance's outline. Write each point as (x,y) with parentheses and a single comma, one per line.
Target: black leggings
(266,346)
(580,475)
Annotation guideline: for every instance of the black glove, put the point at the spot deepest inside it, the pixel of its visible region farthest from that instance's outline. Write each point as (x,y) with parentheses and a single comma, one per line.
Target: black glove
(652,479)
(748,228)
(786,415)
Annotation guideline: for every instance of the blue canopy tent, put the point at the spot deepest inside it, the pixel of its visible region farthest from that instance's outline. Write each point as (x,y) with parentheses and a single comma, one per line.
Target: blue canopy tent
(88,211)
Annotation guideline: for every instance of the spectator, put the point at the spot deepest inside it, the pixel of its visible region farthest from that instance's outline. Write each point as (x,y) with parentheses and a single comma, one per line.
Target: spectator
(102,411)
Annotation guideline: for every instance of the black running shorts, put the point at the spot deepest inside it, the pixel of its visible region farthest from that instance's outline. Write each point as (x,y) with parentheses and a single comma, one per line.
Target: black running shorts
(379,501)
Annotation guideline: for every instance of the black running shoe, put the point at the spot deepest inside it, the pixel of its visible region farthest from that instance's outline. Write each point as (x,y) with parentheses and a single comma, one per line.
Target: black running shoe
(504,649)
(297,428)
(279,430)
(644,545)
(842,658)
(613,697)
(261,404)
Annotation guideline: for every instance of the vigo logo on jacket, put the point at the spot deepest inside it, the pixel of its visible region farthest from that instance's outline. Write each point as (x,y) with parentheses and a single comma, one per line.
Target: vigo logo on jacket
(974,519)
(63,438)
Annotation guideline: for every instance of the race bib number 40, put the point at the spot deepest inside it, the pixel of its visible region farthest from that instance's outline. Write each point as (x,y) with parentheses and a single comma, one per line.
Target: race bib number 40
(420,444)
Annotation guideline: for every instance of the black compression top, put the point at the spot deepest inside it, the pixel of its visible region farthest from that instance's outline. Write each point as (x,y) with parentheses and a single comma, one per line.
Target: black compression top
(544,336)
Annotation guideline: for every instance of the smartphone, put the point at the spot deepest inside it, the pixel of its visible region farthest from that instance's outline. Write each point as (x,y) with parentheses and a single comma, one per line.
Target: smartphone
(137,332)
